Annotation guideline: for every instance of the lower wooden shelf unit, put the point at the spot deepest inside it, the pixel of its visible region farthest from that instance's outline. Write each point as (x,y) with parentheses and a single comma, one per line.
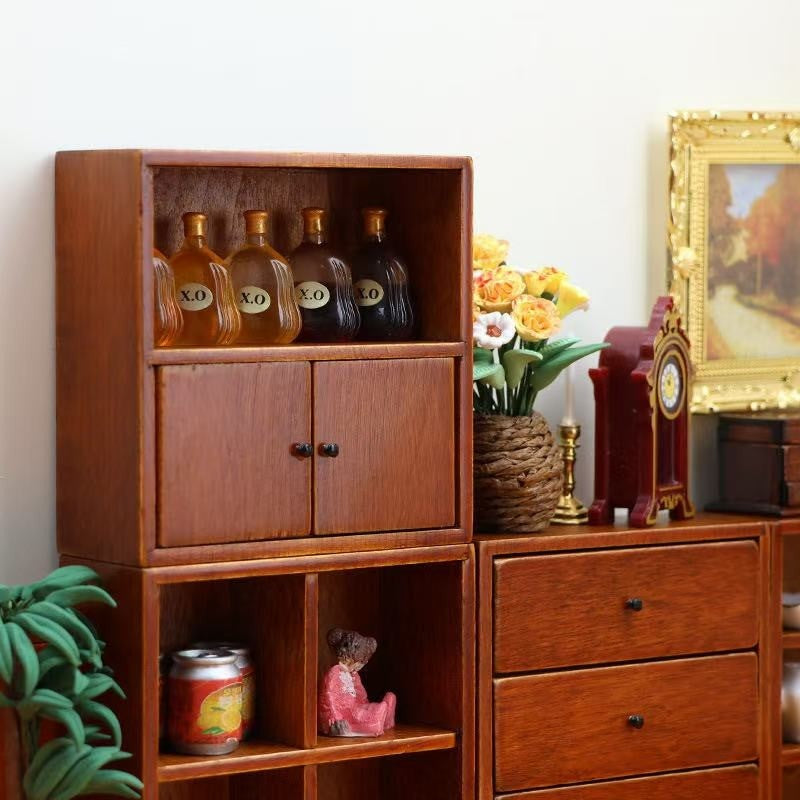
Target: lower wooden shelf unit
(616,663)
(418,603)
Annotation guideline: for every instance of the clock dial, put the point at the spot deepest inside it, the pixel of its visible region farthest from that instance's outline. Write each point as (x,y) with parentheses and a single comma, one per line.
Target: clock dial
(670,386)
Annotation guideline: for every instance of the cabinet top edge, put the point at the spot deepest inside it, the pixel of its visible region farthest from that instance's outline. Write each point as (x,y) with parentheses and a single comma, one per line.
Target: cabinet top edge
(299,160)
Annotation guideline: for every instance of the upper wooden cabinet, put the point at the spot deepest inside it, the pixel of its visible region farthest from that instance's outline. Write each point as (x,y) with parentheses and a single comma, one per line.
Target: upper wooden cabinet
(172,456)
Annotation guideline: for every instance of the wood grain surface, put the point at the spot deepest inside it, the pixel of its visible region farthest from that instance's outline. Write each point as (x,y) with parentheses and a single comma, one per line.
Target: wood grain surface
(732,783)
(570,727)
(394,424)
(696,599)
(226,467)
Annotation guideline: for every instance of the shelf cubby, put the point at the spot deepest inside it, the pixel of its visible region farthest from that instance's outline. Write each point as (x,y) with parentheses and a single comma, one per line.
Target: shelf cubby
(283,784)
(418,603)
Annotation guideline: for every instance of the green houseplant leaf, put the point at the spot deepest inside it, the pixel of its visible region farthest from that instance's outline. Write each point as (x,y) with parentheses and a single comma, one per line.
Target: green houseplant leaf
(492,374)
(550,368)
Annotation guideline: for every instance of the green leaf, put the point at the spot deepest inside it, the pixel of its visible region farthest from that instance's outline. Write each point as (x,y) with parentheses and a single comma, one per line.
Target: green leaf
(493,374)
(550,369)
(215,731)
(515,362)
(481,355)
(98,711)
(559,345)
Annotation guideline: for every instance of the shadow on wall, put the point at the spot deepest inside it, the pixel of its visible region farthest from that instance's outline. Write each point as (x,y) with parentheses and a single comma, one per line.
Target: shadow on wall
(27,366)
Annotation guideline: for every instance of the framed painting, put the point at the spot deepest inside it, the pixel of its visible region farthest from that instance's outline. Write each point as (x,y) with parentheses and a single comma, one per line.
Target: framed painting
(734,247)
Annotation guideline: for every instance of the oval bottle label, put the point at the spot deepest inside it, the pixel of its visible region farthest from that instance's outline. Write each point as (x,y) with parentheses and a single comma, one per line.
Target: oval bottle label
(194,297)
(368,292)
(252,299)
(311,294)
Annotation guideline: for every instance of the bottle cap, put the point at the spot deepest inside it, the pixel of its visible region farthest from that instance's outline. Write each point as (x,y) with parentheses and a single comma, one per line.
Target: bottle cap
(195,223)
(255,221)
(374,218)
(314,220)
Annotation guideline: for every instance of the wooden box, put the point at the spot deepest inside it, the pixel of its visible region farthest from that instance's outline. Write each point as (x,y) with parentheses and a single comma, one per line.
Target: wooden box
(185,455)
(759,463)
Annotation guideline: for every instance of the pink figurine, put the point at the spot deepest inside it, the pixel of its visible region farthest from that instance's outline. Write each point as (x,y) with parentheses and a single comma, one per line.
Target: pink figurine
(344,708)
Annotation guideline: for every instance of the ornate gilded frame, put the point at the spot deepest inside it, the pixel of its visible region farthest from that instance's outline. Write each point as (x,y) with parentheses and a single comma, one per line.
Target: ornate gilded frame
(701,138)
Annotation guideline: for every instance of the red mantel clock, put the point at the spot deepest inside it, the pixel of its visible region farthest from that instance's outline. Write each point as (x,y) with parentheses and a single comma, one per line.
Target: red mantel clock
(641,390)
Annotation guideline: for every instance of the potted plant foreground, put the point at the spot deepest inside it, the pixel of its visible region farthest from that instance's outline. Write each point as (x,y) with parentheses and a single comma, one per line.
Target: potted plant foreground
(59,735)
(517,314)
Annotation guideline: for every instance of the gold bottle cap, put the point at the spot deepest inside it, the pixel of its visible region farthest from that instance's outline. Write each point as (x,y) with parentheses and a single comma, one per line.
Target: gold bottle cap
(195,223)
(374,220)
(255,221)
(314,220)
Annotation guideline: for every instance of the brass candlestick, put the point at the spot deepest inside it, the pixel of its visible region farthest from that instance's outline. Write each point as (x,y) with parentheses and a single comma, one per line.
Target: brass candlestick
(570,510)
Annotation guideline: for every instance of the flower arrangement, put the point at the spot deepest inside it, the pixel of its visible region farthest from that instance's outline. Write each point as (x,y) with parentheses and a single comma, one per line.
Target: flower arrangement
(516,314)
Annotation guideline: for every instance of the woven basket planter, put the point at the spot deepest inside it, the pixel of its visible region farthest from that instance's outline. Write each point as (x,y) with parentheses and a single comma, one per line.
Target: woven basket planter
(518,472)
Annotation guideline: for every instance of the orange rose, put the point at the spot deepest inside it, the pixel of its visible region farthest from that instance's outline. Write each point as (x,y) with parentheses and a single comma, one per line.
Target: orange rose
(496,290)
(546,279)
(535,318)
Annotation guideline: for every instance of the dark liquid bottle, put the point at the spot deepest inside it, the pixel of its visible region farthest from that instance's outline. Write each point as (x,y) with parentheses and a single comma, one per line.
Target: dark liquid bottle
(323,285)
(380,280)
(264,288)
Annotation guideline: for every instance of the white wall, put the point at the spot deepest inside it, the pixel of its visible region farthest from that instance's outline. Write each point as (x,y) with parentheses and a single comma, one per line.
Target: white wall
(562,106)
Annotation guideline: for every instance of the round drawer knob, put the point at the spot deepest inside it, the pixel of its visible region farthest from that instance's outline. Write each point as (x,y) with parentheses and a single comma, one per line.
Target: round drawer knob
(636,721)
(634,603)
(304,449)
(330,449)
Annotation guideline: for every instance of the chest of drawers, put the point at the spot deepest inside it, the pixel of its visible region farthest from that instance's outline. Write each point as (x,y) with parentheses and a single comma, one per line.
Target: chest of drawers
(620,663)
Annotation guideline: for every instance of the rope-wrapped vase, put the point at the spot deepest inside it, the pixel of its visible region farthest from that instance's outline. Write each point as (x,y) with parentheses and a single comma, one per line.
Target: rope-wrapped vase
(518,473)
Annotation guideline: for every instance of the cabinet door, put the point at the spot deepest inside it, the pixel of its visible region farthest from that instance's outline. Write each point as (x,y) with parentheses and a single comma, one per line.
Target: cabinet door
(227,470)
(394,426)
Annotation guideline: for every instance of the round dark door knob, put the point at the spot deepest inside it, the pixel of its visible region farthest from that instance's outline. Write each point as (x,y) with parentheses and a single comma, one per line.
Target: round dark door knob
(330,449)
(304,449)
(634,603)
(636,721)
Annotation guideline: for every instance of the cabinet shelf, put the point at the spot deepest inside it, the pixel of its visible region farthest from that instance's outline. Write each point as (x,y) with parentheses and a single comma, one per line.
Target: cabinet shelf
(255,756)
(791,640)
(791,755)
(167,356)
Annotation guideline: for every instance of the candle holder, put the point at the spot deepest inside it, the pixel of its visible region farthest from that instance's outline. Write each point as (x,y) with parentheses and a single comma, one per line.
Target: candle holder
(570,510)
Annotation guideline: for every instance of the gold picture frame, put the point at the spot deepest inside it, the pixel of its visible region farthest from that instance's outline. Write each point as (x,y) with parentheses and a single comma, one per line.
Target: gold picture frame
(724,378)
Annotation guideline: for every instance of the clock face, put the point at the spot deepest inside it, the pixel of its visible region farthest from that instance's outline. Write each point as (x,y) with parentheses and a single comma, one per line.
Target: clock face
(670,386)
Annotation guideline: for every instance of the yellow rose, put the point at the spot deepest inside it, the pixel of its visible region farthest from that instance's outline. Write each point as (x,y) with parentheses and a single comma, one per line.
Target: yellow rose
(487,251)
(496,290)
(536,318)
(570,298)
(546,279)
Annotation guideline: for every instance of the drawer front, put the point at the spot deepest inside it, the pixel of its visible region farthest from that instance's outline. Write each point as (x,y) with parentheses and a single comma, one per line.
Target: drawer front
(730,783)
(572,727)
(566,610)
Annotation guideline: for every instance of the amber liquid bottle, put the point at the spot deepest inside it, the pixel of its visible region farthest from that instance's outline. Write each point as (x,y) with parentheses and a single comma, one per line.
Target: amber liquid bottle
(204,289)
(380,280)
(167,316)
(323,285)
(264,288)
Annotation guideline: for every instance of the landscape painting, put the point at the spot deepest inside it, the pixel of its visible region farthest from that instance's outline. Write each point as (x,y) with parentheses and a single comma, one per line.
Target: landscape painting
(753,274)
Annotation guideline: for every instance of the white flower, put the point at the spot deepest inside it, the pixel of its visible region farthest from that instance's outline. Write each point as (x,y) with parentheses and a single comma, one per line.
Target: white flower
(492,330)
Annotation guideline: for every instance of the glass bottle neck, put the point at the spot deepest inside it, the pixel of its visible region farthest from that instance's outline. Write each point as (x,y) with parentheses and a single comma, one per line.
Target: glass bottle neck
(314,237)
(195,241)
(256,239)
(375,236)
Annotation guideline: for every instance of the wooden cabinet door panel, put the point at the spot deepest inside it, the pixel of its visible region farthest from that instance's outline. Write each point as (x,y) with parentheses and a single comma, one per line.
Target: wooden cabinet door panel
(394,425)
(227,471)
(582,617)
(729,783)
(572,727)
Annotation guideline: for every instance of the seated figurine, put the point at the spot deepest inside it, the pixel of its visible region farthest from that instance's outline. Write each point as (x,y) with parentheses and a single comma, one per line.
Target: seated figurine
(344,708)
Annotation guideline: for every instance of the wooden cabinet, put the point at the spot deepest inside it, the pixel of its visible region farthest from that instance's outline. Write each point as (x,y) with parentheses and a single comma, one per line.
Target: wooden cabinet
(728,783)
(608,653)
(621,605)
(180,479)
(186,454)
(392,422)
(229,469)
